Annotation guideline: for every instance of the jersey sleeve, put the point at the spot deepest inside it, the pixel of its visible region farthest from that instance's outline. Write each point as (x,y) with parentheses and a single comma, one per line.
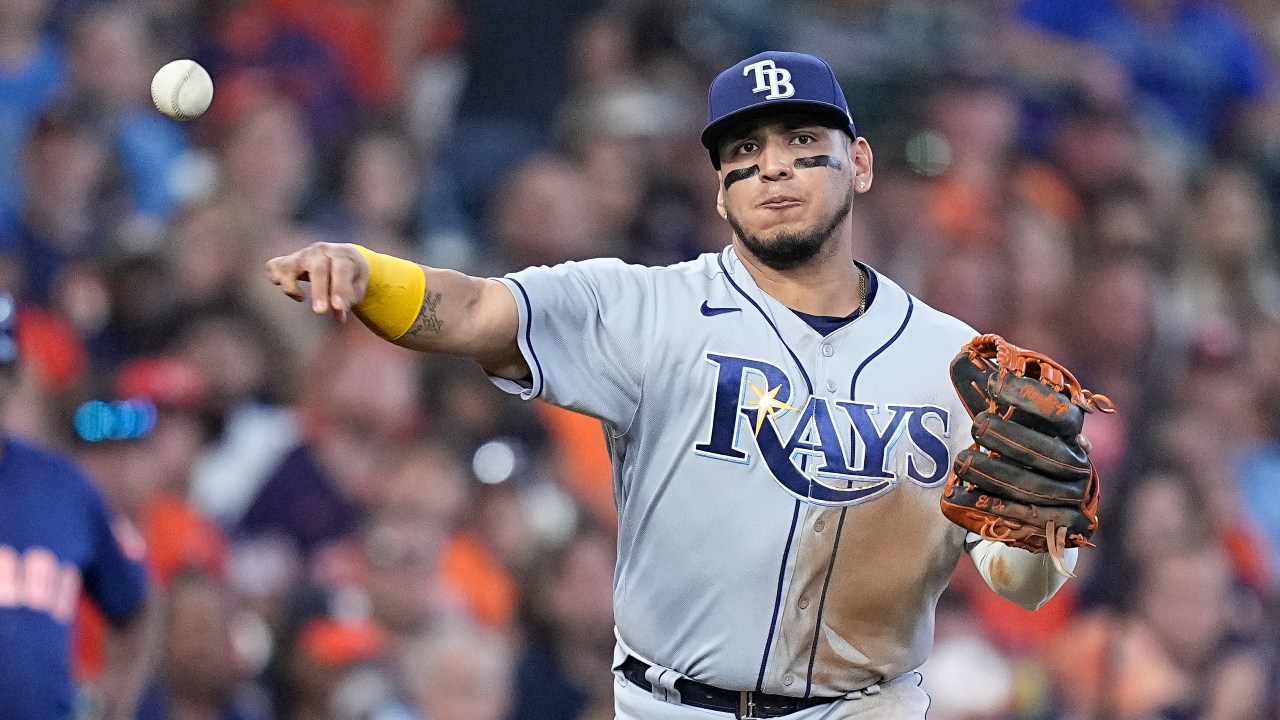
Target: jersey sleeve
(585,331)
(116,583)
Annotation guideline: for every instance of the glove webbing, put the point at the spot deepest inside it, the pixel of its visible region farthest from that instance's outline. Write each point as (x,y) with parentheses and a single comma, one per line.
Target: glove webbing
(1010,358)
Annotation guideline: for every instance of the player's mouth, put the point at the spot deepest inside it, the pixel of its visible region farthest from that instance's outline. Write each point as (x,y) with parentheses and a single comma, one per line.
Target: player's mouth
(780,202)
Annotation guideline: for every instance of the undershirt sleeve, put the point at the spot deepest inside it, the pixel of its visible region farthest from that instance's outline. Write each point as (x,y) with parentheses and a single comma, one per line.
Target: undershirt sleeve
(1024,578)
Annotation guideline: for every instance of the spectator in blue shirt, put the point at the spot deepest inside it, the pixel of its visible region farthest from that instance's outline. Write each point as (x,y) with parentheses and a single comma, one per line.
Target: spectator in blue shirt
(1190,62)
(111,71)
(65,169)
(56,538)
(32,73)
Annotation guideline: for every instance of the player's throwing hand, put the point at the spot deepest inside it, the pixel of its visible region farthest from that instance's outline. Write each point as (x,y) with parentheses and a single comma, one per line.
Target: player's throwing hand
(338,273)
(427,309)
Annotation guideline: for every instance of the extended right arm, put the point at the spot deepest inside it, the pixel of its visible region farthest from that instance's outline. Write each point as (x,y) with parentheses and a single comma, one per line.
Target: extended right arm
(453,314)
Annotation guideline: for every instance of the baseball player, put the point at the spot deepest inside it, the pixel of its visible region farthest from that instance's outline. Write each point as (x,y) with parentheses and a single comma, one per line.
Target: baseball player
(781,418)
(56,538)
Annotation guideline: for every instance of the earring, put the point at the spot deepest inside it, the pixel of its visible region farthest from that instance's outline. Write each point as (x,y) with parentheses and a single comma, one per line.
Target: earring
(862,185)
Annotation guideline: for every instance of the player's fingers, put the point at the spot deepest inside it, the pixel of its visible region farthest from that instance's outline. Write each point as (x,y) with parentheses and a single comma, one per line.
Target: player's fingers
(342,271)
(317,265)
(284,271)
(1045,454)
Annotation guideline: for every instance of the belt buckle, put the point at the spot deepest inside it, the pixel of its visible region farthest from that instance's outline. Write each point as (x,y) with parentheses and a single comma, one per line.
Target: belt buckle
(746,705)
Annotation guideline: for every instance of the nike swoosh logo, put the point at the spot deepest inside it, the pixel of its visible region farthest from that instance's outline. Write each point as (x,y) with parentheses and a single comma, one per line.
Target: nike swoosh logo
(710,311)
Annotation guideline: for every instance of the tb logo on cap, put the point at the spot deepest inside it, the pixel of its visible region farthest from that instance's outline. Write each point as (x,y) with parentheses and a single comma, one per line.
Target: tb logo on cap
(778,81)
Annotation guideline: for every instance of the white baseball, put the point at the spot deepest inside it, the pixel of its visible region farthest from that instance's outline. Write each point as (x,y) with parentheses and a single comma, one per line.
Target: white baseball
(182,90)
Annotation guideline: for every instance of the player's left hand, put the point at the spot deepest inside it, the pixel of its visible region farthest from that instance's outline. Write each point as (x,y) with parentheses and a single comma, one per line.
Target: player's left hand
(1027,480)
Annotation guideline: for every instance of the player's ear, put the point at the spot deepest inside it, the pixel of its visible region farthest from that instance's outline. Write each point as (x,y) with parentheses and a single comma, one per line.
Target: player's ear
(861,159)
(720,199)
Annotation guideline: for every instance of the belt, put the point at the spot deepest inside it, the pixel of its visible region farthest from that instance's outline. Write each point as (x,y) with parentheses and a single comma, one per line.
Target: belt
(743,704)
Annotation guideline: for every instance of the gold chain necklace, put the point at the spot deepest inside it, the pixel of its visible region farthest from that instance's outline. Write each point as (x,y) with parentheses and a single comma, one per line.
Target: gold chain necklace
(863,282)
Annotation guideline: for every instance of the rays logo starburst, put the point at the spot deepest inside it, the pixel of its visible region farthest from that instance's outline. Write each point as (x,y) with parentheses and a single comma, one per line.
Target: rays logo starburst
(767,404)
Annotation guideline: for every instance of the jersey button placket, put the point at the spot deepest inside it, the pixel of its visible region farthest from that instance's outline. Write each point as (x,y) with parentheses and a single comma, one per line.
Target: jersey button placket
(827,350)
(831,386)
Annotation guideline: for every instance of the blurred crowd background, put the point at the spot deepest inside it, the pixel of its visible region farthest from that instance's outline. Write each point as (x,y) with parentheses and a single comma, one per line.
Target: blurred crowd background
(346,530)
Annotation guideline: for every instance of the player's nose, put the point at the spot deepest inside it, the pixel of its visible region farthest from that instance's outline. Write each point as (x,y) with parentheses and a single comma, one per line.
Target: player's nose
(775,162)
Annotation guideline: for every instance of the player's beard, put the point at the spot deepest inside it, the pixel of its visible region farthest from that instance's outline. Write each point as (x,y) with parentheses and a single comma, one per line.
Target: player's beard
(789,250)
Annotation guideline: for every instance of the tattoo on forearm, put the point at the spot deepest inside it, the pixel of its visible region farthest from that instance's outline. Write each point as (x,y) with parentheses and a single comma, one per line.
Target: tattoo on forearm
(427,320)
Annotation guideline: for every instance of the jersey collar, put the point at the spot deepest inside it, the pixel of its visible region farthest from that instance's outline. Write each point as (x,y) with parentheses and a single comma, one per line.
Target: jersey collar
(886,302)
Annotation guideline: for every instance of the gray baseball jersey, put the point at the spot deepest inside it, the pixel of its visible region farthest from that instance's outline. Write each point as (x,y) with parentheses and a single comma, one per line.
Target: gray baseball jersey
(777,490)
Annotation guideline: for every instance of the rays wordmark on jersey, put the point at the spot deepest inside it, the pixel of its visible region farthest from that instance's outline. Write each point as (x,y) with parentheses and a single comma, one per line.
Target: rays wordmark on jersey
(814,462)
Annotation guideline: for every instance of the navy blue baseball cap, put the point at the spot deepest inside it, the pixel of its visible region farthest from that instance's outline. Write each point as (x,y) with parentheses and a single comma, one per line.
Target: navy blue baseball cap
(773,81)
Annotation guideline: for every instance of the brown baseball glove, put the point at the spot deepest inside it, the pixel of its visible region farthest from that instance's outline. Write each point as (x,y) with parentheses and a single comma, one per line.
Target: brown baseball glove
(1027,479)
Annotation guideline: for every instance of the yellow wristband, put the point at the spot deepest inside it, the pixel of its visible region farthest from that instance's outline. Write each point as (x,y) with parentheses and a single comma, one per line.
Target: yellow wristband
(395,294)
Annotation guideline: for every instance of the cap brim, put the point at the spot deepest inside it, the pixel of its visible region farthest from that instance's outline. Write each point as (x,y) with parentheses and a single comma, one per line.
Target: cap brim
(830,114)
